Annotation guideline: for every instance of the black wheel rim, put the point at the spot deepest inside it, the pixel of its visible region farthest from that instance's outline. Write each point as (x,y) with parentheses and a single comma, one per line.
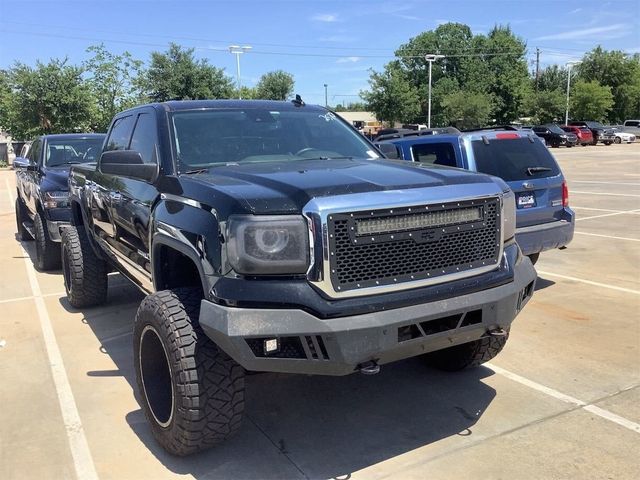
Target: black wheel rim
(156,376)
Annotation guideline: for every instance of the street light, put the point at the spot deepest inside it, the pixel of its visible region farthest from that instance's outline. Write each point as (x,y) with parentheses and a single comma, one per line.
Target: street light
(430,58)
(326,103)
(237,50)
(569,65)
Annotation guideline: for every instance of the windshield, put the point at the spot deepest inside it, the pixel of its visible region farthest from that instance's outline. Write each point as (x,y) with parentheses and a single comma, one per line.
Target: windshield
(594,125)
(555,128)
(206,138)
(514,159)
(75,150)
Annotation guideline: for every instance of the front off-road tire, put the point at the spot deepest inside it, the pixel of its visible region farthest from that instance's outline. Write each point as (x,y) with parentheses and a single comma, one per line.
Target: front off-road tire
(191,392)
(23,233)
(472,354)
(47,251)
(85,274)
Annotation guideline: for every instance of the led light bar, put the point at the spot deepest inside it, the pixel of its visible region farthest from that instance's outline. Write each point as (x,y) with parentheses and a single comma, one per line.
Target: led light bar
(418,221)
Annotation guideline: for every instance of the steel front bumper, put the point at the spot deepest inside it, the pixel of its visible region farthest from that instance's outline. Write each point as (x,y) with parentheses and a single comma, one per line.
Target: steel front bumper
(339,346)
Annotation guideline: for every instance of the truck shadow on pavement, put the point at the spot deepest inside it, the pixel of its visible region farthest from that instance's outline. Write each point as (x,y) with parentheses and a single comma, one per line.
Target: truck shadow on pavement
(299,426)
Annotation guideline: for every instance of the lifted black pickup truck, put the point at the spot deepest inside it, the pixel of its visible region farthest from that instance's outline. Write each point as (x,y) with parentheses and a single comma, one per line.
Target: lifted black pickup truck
(42,202)
(277,239)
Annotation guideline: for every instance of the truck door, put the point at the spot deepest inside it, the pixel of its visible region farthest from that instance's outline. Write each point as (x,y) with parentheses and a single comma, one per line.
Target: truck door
(31,178)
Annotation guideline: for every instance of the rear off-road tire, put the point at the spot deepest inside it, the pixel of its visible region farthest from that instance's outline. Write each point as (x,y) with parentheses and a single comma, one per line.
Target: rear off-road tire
(191,392)
(47,251)
(472,354)
(85,274)
(23,233)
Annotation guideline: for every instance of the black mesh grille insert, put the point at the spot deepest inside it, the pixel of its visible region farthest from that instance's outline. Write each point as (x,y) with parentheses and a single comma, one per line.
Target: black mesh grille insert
(360,261)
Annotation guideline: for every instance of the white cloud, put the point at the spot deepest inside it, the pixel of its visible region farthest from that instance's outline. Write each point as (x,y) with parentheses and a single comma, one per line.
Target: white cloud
(348,60)
(575,10)
(337,39)
(599,33)
(325,17)
(406,17)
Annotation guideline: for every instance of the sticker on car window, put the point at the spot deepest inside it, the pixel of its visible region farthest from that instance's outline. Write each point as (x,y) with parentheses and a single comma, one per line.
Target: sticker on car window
(328,116)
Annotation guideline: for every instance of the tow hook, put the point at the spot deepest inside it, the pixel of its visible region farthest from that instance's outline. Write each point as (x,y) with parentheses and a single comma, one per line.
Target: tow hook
(498,332)
(369,368)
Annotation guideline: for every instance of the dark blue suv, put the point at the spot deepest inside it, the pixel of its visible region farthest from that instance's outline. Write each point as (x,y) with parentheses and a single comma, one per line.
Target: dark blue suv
(543,217)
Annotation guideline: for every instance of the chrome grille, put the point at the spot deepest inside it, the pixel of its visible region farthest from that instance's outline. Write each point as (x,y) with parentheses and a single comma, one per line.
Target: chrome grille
(359,261)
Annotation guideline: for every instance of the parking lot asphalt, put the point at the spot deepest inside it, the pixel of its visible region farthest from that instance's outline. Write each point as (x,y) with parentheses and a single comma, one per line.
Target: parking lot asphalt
(561,401)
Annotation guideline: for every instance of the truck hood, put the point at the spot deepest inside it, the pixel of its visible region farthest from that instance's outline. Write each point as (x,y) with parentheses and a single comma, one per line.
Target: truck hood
(286,187)
(55,179)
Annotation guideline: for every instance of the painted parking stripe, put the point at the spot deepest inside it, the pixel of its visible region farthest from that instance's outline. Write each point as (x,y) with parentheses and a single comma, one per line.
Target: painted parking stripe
(607,194)
(598,209)
(608,236)
(632,212)
(605,183)
(601,412)
(78,445)
(589,282)
(31,297)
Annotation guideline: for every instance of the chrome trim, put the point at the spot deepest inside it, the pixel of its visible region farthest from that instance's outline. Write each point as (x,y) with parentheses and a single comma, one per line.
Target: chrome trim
(176,198)
(323,207)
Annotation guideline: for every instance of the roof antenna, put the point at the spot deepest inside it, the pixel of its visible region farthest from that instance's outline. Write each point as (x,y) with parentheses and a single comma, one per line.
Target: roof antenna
(298,102)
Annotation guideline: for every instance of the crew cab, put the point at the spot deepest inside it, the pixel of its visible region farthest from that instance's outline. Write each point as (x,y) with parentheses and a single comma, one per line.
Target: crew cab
(271,236)
(599,131)
(42,205)
(543,218)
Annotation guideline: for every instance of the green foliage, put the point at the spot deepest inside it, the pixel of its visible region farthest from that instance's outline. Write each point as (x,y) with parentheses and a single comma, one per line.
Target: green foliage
(590,101)
(350,107)
(276,85)
(619,71)
(48,98)
(177,75)
(5,95)
(464,109)
(113,80)
(552,78)
(246,93)
(391,96)
(546,106)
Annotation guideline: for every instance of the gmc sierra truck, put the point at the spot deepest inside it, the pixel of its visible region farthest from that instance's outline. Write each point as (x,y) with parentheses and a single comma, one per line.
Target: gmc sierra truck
(42,200)
(271,236)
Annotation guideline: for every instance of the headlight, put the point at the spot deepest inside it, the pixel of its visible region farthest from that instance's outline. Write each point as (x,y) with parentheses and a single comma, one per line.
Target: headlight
(509,215)
(56,199)
(268,245)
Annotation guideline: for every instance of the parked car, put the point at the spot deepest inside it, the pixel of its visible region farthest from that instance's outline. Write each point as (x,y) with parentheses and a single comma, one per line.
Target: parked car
(543,218)
(272,237)
(42,203)
(555,136)
(599,131)
(622,136)
(631,126)
(585,137)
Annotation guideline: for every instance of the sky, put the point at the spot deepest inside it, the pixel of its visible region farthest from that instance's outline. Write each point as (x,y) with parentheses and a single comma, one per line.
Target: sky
(319,42)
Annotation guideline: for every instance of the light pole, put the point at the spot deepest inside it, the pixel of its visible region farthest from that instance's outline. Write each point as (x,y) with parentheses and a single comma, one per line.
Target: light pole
(326,103)
(238,50)
(430,58)
(569,65)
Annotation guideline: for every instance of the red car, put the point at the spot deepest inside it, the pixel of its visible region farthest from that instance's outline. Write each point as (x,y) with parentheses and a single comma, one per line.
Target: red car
(585,137)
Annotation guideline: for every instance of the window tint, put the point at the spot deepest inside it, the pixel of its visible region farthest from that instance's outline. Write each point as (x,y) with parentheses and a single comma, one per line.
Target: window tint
(510,159)
(145,138)
(34,152)
(120,134)
(73,150)
(632,123)
(434,153)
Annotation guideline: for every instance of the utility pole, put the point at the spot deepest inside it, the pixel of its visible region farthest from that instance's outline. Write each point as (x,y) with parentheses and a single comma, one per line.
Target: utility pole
(237,50)
(537,67)
(569,65)
(430,58)
(326,102)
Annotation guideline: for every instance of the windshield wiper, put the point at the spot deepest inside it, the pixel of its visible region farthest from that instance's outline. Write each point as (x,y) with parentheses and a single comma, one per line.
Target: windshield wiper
(533,170)
(196,170)
(328,158)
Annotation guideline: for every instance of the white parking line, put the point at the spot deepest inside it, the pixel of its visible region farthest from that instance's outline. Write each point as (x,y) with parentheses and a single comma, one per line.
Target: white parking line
(608,236)
(31,297)
(589,282)
(82,460)
(598,209)
(607,194)
(601,412)
(622,212)
(604,183)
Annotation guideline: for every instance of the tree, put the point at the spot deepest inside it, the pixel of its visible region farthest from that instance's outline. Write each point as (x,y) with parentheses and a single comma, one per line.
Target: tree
(276,85)
(50,98)
(545,106)
(350,107)
(465,109)
(177,75)
(552,78)
(114,83)
(590,100)
(391,97)
(619,71)
(5,95)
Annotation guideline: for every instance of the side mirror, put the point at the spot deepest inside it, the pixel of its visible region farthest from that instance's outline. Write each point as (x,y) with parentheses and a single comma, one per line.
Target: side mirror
(389,150)
(127,163)
(21,162)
